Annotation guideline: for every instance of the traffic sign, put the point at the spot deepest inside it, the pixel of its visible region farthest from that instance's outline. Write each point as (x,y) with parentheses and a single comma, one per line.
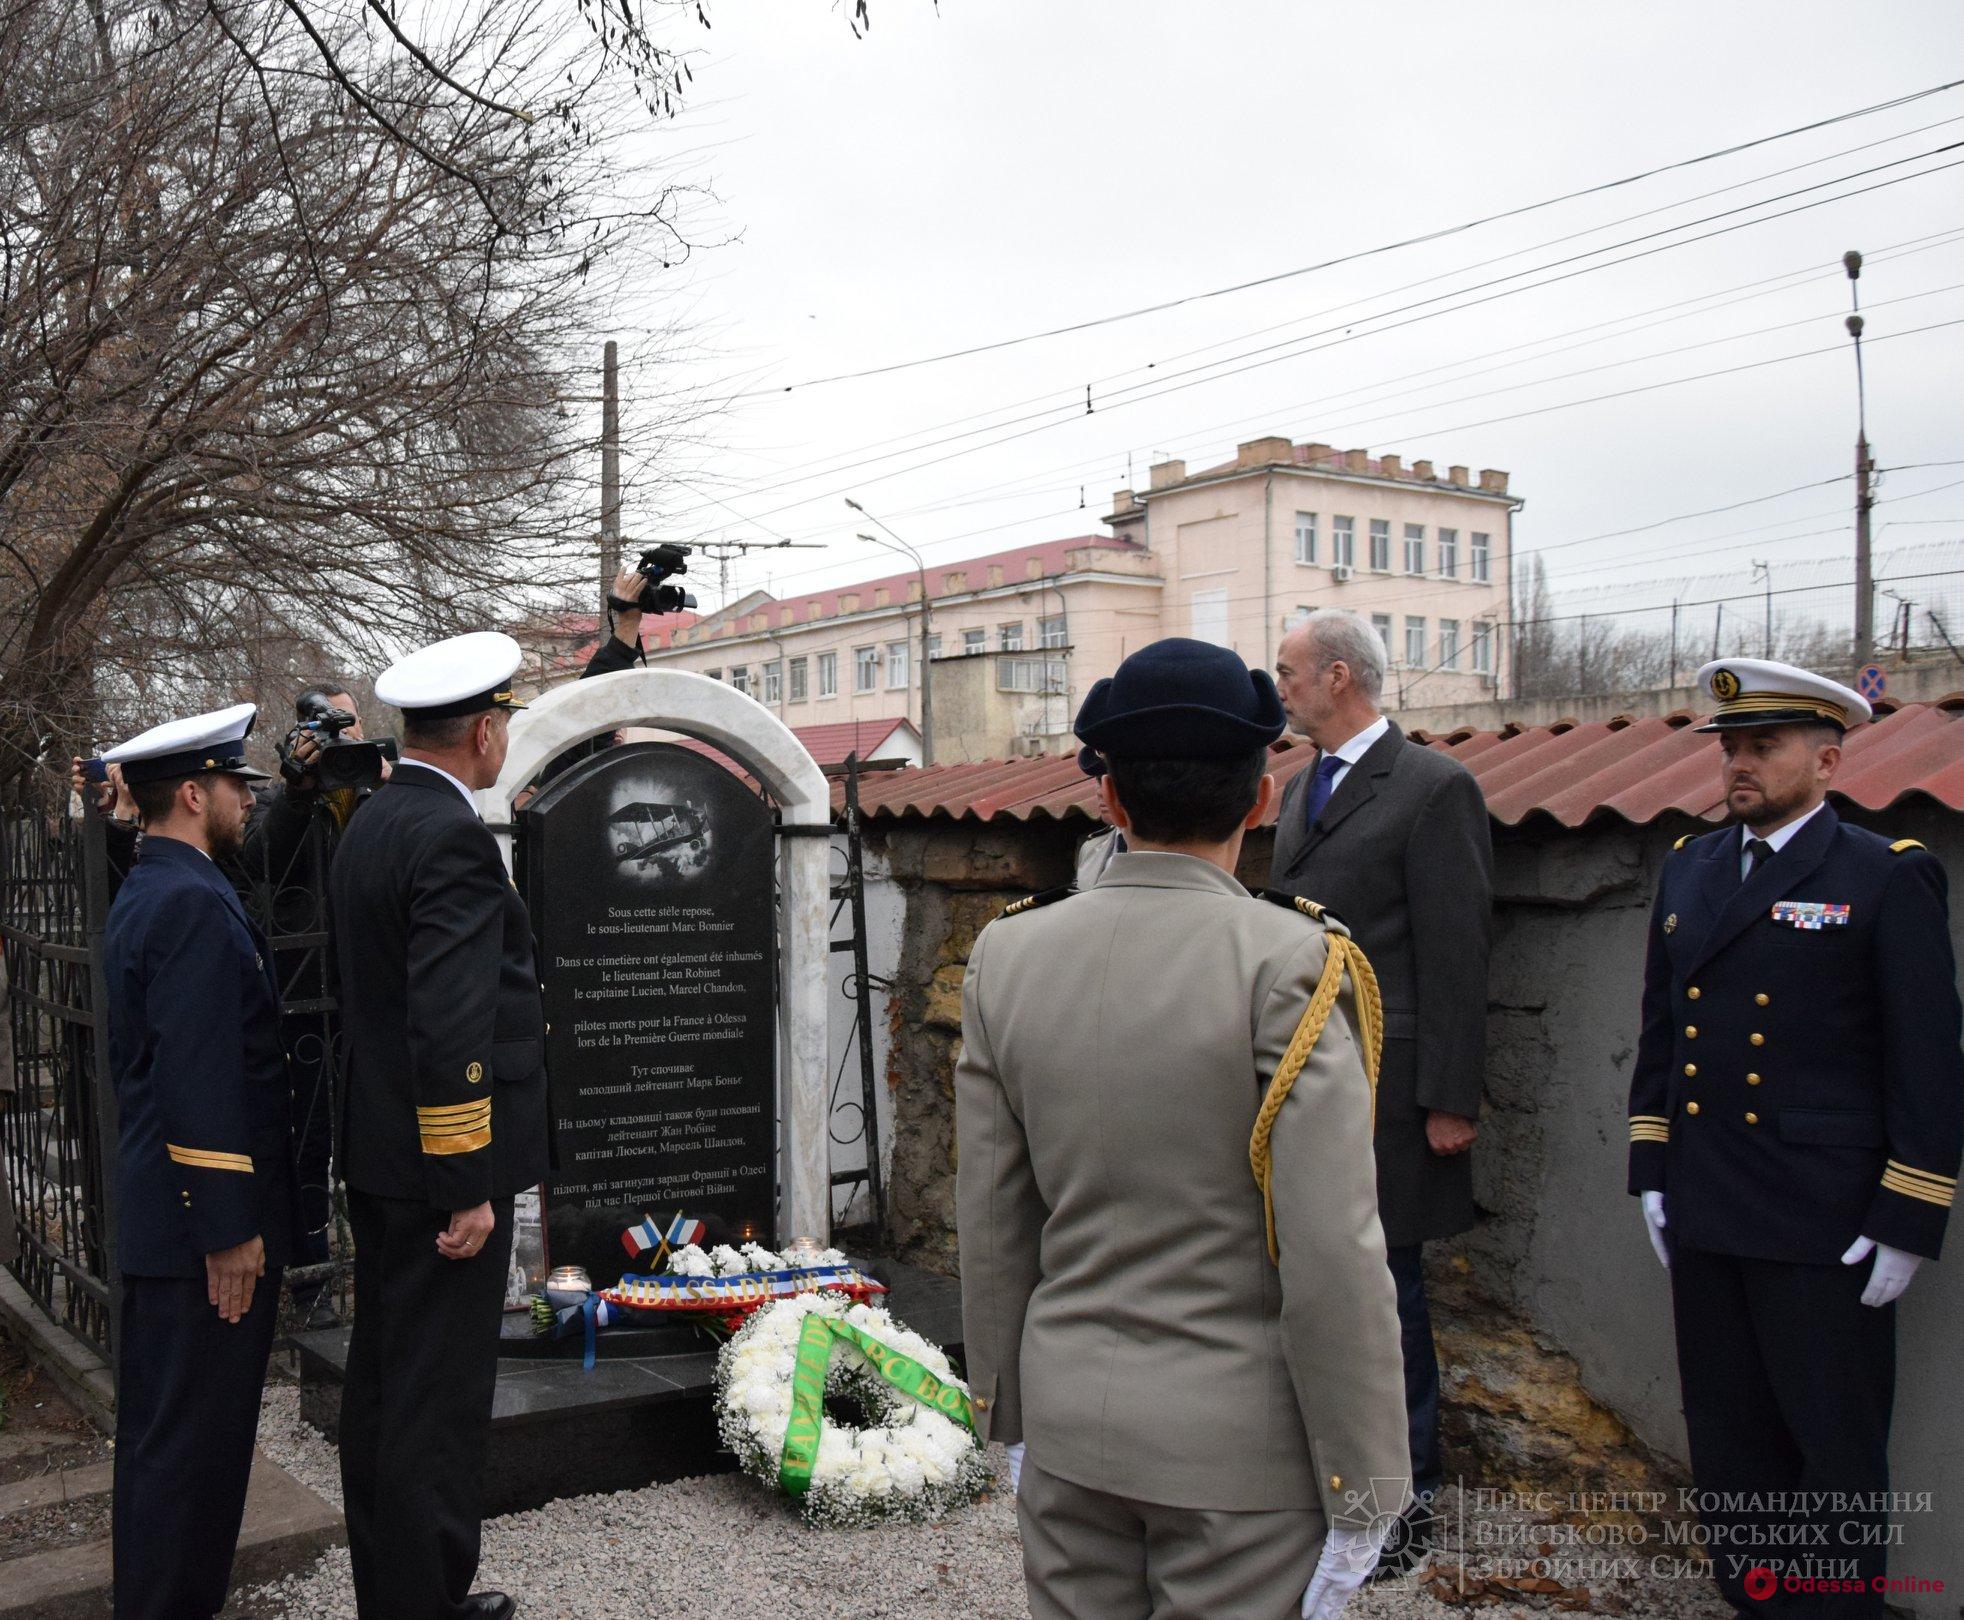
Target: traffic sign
(1872,682)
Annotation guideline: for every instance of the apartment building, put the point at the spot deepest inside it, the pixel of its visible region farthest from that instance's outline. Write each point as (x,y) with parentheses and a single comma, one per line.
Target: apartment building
(1249,546)
(1024,620)
(1231,554)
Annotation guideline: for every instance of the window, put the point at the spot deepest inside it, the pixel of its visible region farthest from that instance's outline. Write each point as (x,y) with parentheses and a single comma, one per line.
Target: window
(1449,552)
(774,681)
(1054,630)
(740,678)
(1414,548)
(972,642)
(896,665)
(1381,545)
(799,679)
(1482,648)
(1208,616)
(828,674)
(1415,642)
(714,674)
(865,668)
(1041,675)
(1305,537)
(934,646)
(1449,644)
(1010,636)
(1343,542)
(1381,623)
(1482,557)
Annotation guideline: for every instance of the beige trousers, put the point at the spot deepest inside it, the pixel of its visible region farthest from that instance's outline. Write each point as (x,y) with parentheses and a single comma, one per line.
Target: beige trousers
(1090,1556)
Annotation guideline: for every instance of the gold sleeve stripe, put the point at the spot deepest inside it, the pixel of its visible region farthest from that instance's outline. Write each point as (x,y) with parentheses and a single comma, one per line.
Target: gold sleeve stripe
(1649,1133)
(1902,844)
(457,1141)
(454,1113)
(1915,1189)
(208,1159)
(1651,1119)
(1936,1181)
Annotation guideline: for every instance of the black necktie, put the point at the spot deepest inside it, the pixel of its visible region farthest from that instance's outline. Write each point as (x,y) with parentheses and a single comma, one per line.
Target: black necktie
(1758,853)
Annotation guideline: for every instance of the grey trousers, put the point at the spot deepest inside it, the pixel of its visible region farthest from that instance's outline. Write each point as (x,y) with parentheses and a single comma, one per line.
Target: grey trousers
(1090,1556)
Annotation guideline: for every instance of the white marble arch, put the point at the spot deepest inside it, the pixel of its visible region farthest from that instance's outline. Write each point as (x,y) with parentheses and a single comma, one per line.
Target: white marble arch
(763,745)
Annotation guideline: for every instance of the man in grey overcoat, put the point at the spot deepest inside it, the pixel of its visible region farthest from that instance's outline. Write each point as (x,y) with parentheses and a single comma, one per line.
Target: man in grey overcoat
(1392,837)
(1215,1424)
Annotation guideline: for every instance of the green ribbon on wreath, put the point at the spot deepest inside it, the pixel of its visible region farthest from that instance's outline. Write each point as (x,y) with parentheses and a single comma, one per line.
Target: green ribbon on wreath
(815,1341)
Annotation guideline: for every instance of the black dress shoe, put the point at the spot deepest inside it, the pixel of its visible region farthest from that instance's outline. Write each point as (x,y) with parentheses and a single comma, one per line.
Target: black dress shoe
(489,1606)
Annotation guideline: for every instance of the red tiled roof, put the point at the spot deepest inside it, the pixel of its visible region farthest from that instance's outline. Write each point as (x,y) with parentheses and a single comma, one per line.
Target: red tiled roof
(828,744)
(1638,770)
(1050,556)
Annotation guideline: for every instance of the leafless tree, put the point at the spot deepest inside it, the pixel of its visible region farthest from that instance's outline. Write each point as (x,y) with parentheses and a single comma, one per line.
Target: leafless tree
(277,381)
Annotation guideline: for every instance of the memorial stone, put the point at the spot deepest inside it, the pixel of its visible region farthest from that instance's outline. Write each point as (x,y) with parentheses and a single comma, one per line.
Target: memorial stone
(648,870)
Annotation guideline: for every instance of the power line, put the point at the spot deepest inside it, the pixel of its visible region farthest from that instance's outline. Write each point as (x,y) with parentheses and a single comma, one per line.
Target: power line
(1139,393)
(1365,253)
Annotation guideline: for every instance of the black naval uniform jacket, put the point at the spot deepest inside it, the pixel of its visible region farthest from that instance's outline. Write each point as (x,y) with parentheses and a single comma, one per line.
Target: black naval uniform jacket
(1799,1082)
(204,1151)
(444,1100)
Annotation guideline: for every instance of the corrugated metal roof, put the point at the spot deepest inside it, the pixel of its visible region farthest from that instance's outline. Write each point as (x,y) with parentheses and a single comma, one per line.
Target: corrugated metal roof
(1635,769)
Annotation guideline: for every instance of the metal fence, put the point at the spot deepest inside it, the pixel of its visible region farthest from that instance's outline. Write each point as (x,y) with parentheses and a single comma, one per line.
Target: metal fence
(58,875)
(57,1119)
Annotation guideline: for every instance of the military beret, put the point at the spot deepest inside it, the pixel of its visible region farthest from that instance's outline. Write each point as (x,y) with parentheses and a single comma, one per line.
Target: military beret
(1181,699)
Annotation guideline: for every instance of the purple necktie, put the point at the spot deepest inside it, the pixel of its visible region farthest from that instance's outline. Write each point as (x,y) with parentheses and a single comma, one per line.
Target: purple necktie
(1324,785)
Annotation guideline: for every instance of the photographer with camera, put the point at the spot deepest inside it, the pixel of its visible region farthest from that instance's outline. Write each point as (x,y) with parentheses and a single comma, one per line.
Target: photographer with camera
(638,591)
(328,770)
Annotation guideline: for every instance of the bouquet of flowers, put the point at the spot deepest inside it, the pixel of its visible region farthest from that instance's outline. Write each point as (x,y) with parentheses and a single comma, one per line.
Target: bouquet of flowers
(784,1380)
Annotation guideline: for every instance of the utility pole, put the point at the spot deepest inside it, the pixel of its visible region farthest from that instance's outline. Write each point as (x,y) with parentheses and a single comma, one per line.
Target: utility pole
(1765,571)
(895,543)
(610,468)
(1864,474)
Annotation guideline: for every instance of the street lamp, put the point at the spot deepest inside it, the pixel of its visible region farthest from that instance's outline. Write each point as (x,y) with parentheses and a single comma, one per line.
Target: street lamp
(895,543)
(1864,471)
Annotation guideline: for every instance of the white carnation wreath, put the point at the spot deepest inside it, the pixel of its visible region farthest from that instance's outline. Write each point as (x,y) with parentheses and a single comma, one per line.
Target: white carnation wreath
(909,1463)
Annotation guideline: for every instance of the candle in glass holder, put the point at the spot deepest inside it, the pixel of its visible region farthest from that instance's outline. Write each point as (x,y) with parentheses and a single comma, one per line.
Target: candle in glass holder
(567,1285)
(802,1253)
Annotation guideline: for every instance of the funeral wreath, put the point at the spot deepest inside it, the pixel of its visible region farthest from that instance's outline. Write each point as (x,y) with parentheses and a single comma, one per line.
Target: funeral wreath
(854,1416)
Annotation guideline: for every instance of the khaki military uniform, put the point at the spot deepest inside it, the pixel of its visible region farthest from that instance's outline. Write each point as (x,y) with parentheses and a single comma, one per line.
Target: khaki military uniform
(1195,1414)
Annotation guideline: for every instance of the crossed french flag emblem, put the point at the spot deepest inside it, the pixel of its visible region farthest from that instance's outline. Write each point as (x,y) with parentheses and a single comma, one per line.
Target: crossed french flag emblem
(637,1240)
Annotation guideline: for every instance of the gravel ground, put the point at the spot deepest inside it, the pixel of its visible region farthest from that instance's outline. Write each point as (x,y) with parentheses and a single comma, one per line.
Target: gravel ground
(723,1549)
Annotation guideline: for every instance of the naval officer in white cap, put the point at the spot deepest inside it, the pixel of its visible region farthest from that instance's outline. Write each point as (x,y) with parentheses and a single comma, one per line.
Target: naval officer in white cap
(1795,1119)
(443,1119)
(204,1185)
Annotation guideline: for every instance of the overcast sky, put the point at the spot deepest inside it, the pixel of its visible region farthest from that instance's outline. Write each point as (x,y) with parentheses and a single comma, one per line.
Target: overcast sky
(1001,168)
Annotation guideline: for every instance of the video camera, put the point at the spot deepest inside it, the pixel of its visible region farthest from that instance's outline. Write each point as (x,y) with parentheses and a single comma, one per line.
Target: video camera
(343,762)
(657,564)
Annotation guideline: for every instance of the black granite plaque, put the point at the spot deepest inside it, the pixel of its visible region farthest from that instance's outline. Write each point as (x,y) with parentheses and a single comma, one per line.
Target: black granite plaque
(648,871)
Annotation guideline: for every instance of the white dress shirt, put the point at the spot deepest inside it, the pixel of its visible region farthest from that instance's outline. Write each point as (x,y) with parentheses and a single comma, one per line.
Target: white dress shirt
(470,798)
(1778,840)
(1356,748)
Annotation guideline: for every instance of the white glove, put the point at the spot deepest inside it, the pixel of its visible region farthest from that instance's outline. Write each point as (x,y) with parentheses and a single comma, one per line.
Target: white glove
(1893,1270)
(1016,1466)
(1346,1563)
(1653,1224)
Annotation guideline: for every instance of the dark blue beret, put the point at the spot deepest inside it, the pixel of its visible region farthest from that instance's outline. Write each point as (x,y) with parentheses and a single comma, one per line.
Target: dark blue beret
(1181,699)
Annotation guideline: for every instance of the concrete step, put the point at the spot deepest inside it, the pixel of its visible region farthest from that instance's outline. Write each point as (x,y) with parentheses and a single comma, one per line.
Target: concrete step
(286,1527)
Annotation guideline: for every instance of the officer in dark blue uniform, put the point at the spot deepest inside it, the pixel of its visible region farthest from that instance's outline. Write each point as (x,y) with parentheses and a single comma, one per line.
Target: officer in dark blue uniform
(1795,1123)
(442,1120)
(204,1182)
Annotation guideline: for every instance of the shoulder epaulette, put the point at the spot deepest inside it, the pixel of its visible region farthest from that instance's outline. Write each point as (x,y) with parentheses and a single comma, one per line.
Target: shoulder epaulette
(1030,902)
(1902,844)
(1687,838)
(1309,908)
